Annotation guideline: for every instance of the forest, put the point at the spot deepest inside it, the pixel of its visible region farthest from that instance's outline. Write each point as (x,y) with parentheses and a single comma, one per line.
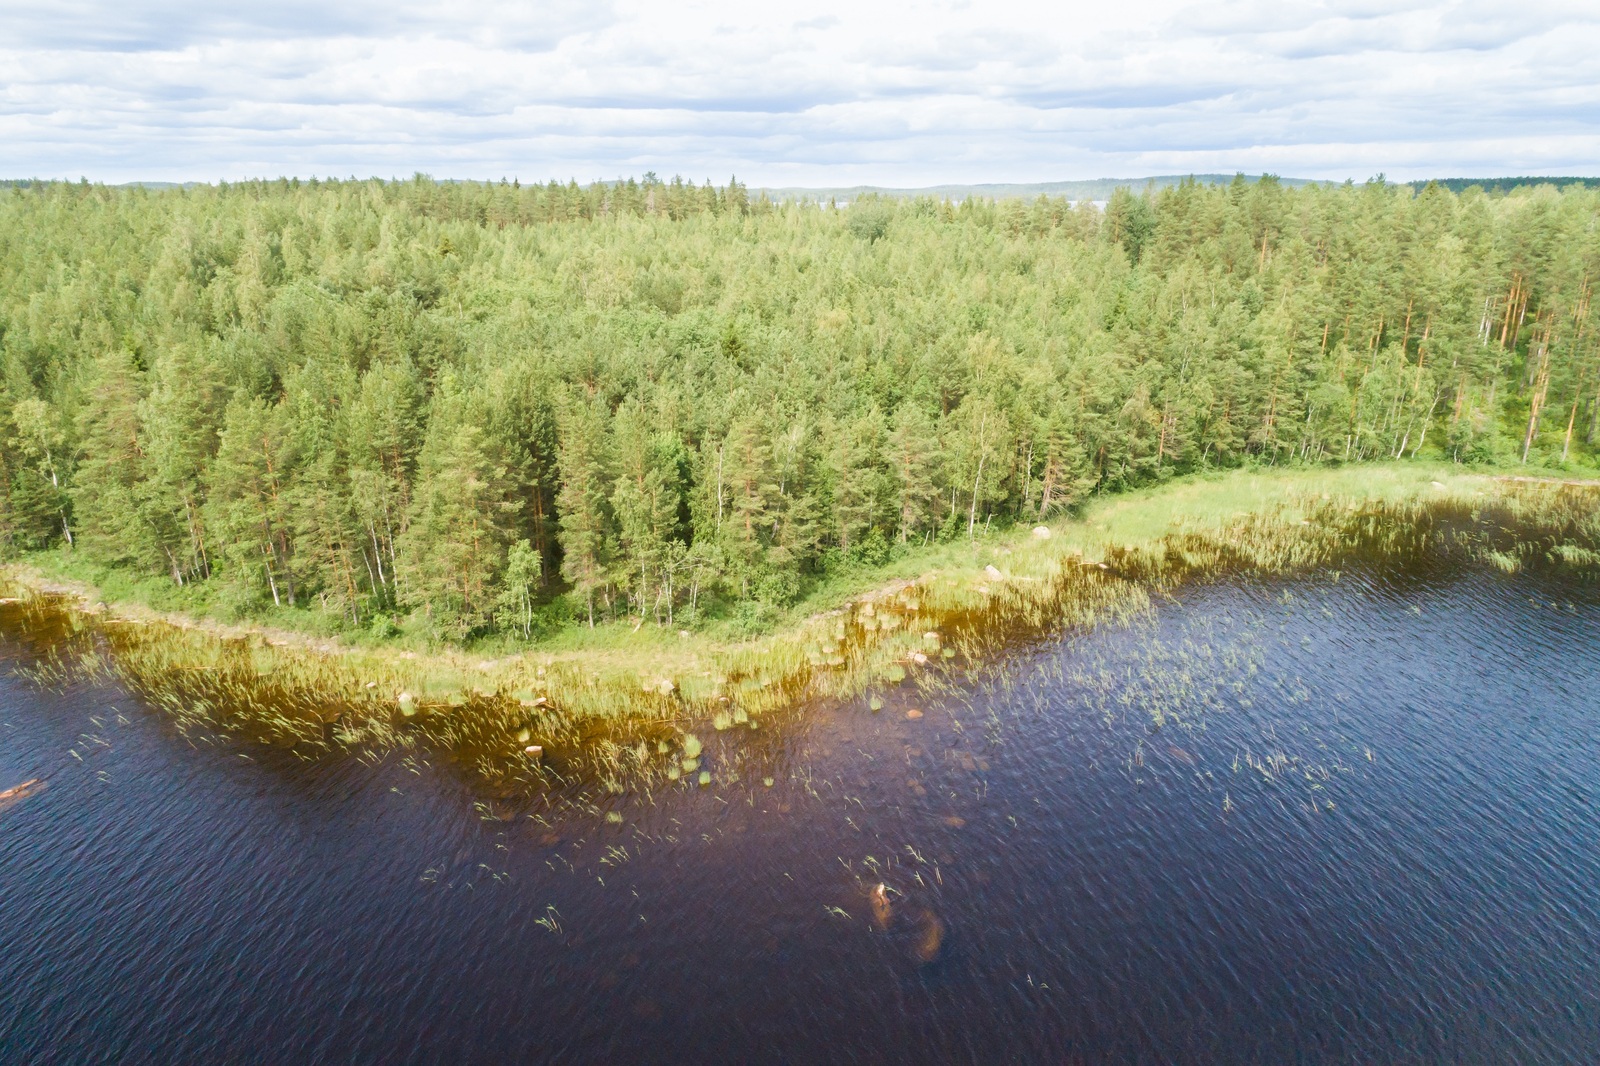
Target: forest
(474,409)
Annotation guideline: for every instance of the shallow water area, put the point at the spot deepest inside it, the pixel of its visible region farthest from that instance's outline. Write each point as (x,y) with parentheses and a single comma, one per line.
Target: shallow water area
(1350,816)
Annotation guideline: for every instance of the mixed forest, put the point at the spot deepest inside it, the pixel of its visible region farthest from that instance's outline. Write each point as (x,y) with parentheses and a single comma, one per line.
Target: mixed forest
(471,409)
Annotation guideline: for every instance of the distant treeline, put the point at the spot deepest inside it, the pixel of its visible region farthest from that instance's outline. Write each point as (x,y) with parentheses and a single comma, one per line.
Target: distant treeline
(478,405)
(1501,186)
(1092,189)
(1098,189)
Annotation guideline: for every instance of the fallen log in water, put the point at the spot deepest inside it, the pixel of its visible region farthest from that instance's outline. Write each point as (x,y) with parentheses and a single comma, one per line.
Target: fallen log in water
(21,792)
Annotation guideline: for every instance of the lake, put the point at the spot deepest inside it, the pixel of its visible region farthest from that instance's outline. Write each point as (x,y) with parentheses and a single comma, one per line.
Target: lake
(1351,816)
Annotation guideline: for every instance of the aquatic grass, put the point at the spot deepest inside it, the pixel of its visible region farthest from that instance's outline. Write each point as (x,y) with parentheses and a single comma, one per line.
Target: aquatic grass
(1574,556)
(1503,561)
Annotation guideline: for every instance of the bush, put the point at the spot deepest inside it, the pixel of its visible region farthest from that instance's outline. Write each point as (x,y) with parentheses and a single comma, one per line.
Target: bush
(873,549)
(778,589)
(751,618)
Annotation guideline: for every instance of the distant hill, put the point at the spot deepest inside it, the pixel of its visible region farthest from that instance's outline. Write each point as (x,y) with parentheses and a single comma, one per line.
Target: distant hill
(24,183)
(1091,189)
(1102,188)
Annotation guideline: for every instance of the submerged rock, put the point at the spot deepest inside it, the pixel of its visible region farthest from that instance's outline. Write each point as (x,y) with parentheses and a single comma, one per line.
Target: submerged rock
(882,911)
(929,944)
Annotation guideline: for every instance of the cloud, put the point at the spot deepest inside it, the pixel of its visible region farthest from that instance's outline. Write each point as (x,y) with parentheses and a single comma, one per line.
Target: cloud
(821,92)
(92,25)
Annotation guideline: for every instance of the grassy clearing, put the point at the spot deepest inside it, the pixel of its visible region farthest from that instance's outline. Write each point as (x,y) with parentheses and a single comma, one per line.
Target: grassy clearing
(620,703)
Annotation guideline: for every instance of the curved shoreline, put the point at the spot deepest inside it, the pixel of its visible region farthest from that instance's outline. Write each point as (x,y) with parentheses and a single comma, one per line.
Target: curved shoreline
(1007,586)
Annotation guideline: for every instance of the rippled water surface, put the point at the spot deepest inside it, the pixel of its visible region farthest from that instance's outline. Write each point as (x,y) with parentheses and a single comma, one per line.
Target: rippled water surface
(1354,817)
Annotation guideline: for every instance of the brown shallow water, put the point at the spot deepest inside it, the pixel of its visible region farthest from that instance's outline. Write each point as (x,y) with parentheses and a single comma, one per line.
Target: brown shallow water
(1343,817)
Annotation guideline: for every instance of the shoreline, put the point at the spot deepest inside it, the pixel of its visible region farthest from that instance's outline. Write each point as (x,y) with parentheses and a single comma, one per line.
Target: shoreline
(1101,564)
(1090,535)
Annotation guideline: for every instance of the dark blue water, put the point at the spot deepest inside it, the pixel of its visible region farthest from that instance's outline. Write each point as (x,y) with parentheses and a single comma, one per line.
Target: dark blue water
(1331,820)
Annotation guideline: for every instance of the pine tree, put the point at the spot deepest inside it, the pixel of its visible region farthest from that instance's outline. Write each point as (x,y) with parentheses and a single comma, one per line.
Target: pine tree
(1066,474)
(328,543)
(583,501)
(645,500)
(800,502)
(461,520)
(913,458)
(179,438)
(859,481)
(381,434)
(746,491)
(454,548)
(247,502)
(106,487)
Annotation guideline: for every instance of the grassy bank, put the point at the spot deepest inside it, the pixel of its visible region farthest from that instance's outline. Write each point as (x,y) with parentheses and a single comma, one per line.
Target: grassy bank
(933,611)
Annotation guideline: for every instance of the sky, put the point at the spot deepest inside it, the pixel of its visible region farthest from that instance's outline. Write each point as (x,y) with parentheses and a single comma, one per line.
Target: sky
(798,94)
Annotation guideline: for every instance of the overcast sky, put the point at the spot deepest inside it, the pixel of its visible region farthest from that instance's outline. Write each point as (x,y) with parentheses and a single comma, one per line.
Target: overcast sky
(823,93)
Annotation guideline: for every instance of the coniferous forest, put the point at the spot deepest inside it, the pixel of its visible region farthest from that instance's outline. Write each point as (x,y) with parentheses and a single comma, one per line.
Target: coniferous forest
(491,408)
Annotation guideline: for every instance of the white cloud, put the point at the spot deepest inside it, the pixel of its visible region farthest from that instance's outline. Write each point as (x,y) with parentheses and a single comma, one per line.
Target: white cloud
(825,92)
